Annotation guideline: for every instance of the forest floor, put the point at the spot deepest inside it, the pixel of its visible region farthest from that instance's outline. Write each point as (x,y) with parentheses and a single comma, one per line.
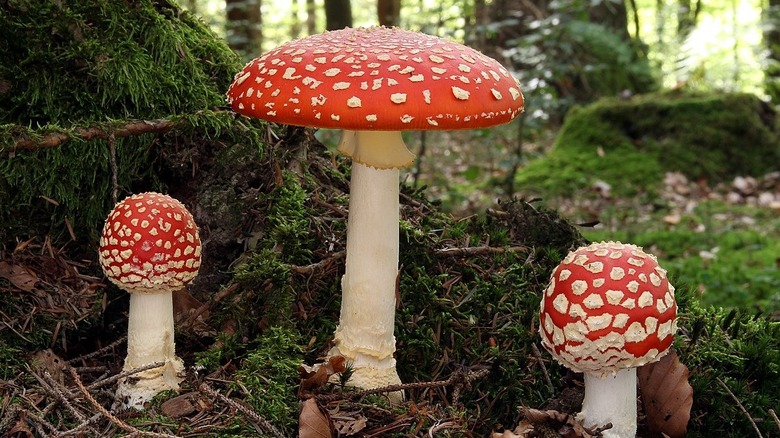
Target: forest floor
(75,390)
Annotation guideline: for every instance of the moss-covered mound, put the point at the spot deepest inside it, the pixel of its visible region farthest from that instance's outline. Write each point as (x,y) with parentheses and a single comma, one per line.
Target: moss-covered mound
(630,143)
(272,208)
(96,65)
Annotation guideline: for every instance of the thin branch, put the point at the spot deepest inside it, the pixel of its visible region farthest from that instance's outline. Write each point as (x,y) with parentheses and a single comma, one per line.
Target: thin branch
(96,353)
(457,378)
(314,267)
(479,250)
(538,355)
(119,423)
(741,408)
(98,383)
(774,417)
(114,168)
(262,422)
(135,127)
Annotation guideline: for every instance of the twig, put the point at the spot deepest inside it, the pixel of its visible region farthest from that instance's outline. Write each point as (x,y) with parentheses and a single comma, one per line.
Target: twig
(309,269)
(457,377)
(119,423)
(262,422)
(538,355)
(63,394)
(81,426)
(114,167)
(207,305)
(98,352)
(479,250)
(135,127)
(774,417)
(99,383)
(742,408)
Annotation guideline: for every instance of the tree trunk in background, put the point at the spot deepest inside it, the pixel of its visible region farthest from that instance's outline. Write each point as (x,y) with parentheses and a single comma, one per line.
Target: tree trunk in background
(611,14)
(772,43)
(295,27)
(244,27)
(338,14)
(389,12)
(311,17)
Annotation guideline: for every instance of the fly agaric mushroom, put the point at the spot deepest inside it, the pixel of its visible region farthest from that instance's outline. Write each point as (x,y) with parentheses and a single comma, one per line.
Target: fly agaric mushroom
(374,83)
(609,308)
(150,247)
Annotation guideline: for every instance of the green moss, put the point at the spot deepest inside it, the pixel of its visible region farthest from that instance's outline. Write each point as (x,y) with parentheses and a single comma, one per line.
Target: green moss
(733,348)
(11,361)
(97,64)
(268,377)
(730,262)
(630,143)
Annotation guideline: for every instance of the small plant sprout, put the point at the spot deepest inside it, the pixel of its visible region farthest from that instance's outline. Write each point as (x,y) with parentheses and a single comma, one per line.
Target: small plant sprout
(374,83)
(608,309)
(150,247)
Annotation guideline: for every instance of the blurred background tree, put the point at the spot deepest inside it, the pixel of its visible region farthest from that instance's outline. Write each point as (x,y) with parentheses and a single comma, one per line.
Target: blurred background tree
(564,51)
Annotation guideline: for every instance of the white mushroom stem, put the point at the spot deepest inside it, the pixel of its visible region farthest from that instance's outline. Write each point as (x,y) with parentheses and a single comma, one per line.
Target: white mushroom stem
(365,335)
(149,340)
(611,399)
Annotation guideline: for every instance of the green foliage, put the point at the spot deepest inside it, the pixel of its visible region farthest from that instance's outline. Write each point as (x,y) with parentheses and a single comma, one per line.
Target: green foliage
(565,59)
(630,143)
(268,376)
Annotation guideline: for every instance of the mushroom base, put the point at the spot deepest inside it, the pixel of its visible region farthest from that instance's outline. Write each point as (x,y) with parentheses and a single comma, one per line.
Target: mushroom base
(369,372)
(136,390)
(150,333)
(611,399)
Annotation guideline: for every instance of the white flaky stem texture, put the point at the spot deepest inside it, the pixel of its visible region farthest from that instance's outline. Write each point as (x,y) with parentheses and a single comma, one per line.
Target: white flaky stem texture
(149,340)
(611,399)
(365,332)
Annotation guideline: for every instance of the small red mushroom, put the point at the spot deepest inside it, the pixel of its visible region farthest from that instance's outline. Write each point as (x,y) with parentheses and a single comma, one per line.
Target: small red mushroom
(374,83)
(608,309)
(150,247)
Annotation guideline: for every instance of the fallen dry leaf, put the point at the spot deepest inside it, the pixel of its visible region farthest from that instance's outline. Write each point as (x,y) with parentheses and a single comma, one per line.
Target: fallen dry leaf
(523,430)
(19,276)
(313,423)
(350,426)
(316,376)
(667,396)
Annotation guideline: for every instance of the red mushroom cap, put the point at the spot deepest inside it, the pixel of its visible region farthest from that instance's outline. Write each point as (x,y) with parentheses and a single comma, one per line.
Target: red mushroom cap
(150,244)
(608,306)
(377,78)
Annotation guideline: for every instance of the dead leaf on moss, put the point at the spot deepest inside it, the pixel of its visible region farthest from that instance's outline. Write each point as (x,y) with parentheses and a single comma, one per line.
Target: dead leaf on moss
(20,429)
(524,429)
(564,424)
(350,426)
(313,423)
(667,396)
(19,276)
(316,376)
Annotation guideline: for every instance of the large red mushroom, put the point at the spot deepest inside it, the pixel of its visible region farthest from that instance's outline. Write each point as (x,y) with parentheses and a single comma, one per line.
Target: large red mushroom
(150,247)
(608,309)
(374,83)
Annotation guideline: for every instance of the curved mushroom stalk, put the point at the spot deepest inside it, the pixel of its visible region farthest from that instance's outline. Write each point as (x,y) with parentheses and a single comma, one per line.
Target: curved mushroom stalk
(611,399)
(149,340)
